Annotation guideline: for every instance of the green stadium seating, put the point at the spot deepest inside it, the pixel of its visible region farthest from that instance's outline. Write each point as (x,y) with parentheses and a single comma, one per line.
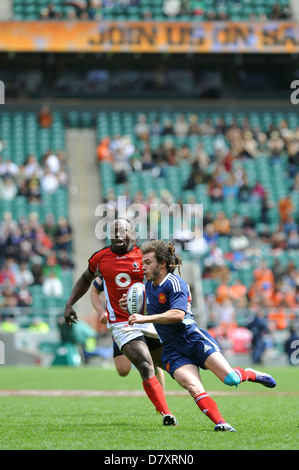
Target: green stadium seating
(22,135)
(31,9)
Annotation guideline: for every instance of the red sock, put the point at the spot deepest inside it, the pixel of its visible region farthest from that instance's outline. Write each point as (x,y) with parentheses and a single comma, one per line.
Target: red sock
(209,407)
(245,374)
(155,392)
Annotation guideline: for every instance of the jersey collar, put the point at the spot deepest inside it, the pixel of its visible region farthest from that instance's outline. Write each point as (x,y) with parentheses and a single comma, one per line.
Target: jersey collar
(129,251)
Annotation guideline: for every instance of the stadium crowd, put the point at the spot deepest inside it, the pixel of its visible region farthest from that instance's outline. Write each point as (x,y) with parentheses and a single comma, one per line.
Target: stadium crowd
(32,251)
(232,246)
(219,10)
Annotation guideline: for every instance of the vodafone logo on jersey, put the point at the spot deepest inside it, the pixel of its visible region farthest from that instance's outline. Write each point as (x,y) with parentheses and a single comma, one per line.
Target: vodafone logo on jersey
(123,280)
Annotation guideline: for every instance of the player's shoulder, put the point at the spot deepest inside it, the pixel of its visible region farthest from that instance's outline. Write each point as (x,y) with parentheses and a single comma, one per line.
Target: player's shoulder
(174,283)
(100,253)
(134,252)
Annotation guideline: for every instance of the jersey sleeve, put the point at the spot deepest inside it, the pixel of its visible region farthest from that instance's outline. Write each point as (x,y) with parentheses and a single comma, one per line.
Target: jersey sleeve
(178,294)
(93,263)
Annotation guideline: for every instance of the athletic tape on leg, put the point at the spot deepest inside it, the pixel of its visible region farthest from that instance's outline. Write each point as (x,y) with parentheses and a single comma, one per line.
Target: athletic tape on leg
(232,379)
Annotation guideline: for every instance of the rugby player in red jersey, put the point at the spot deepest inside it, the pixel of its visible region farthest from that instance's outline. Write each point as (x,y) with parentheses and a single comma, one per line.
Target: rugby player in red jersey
(120,265)
(122,363)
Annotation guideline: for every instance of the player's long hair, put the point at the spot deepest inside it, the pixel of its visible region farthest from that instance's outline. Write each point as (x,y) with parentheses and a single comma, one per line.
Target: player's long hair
(164,251)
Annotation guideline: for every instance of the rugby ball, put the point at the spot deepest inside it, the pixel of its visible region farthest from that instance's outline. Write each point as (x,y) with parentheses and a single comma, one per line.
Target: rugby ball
(136,299)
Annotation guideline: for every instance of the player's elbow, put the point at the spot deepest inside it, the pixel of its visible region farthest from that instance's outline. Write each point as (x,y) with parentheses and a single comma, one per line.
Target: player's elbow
(178,315)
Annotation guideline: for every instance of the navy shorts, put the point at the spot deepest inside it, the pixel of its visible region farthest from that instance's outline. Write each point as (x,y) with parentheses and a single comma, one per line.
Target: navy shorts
(193,347)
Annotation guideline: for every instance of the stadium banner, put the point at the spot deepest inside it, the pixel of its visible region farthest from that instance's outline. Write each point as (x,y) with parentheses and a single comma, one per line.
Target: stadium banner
(148,36)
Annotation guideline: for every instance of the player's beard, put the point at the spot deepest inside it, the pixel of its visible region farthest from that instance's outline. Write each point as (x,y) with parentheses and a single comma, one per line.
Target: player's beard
(122,248)
(155,274)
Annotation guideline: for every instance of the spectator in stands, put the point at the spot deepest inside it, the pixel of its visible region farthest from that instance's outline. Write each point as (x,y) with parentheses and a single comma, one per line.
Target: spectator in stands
(33,192)
(39,326)
(104,151)
(244,191)
(9,168)
(222,224)
(8,324)
(295,186)
(229,188)
(280,13)
(197,8)
(155,127)
(7,274)
(45,117)
(197,246)
(9,189)
(64,260)
(171,8)
(24,275)
(293,157)
(51,161)
(37,270)
(259,328)
(147,162)
(181,126)
(24,297)
(289,224)
(194,126)
(31,166)
(183,235)
(49,182)
(211,235)
(167,127)
(266,205)
(142,129)
(258,191)
(147,15)
(50,13)
(278,241)
(63,235)
(83,9)
(10,296)
(205,128)
(227,317)
(238,241)
(215,261)
(50,226)
(285,208)
(215,191)
(293,239)
(52,286)
(201,159)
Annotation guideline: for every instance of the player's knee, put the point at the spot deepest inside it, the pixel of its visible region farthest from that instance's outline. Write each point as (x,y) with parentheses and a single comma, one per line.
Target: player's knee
(123,372)
(232,379)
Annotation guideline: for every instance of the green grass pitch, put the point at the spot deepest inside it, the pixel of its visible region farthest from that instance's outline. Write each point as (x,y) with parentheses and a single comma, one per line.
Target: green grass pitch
(64,410)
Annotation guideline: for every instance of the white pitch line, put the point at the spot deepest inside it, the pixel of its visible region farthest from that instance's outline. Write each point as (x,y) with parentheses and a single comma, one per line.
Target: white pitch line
(126,393)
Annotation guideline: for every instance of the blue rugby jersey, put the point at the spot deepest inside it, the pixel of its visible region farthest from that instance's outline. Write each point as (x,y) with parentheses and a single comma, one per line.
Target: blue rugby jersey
(172,292)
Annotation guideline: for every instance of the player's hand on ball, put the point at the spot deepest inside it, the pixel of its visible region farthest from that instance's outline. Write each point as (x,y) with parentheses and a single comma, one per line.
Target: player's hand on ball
(123,303)
(70,315)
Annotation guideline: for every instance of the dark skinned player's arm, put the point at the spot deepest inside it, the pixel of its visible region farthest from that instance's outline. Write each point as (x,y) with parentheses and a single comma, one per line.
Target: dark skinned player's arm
(79,289)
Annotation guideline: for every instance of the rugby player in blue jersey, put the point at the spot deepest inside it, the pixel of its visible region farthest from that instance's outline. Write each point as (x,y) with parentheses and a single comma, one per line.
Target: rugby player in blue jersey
(186,347)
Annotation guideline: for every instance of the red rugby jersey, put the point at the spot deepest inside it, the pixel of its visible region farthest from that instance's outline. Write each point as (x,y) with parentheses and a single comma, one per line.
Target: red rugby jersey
(119,272)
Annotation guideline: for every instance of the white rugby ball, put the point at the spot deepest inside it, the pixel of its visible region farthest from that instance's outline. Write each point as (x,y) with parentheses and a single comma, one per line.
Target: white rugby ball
(136,299)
